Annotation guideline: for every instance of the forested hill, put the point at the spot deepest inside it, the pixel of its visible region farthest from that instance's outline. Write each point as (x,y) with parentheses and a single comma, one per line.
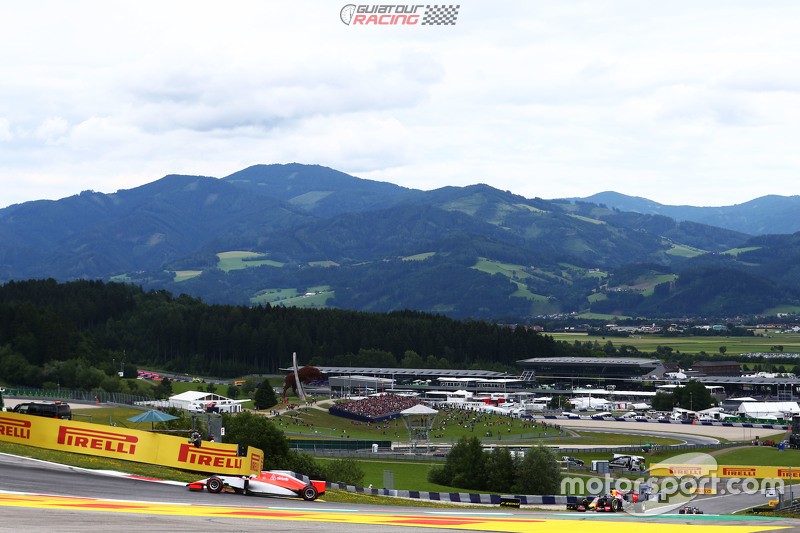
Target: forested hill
(70,333)
(310,236)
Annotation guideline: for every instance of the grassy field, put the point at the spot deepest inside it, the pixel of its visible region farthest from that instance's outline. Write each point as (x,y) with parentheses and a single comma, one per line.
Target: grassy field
(305,423)
(313,297)
(183,275)
(710,345)
(682,250)
(419,257)
(109,416)
(238,260)
(759,456)
(408,475)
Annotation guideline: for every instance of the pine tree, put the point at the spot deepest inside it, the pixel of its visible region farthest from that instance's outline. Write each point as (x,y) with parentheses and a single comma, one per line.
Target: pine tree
(265,396)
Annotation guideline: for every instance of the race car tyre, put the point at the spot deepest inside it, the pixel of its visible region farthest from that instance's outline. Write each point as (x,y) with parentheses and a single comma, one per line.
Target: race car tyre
(309,493)
(616,505)
(214,485)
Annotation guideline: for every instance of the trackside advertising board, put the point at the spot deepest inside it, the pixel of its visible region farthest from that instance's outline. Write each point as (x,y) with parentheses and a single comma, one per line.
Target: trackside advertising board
(128,444)
(725,471)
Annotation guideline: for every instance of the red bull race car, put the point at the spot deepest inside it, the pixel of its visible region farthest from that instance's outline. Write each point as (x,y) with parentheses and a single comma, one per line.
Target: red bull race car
(267,483)
(611,503)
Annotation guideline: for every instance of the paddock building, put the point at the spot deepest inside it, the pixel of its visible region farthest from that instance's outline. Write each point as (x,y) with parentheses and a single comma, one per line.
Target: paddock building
(586,370)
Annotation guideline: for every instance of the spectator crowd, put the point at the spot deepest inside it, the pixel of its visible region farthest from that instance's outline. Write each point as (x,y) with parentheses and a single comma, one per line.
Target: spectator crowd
(375,407)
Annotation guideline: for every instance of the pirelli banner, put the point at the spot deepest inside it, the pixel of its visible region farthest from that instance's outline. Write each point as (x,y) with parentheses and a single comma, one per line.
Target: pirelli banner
(724,471)
(129,444)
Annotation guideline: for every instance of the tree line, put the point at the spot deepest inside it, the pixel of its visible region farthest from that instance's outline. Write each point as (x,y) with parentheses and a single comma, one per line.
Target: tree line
(80,334)
(468,466)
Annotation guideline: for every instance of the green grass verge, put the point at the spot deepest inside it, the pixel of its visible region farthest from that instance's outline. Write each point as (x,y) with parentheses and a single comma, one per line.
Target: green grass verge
(408,474)
(99,463)
(758,456)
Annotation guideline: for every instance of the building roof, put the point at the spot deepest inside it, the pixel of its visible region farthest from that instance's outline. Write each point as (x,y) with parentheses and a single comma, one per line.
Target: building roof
(589,361)
(361,379)
(745,380)
(409,372)
(480,380)
(419,409)
(197,396)
(769,407)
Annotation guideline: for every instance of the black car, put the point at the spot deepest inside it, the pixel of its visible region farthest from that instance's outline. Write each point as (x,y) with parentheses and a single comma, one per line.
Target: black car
(46,409)
(572,461)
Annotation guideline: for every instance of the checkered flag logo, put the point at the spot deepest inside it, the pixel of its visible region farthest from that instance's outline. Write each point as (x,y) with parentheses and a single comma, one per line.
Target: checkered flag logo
(440,15)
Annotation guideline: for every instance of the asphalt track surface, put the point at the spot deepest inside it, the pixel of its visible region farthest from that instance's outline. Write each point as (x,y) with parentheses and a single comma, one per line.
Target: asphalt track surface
(37,496)
(672,430)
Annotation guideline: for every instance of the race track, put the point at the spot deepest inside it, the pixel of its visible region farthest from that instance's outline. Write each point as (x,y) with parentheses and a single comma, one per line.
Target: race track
(37,496)
(724,432)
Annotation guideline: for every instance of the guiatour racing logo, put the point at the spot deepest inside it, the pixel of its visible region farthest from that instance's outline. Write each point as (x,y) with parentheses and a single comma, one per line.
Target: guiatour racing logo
(397,15)
(347,12)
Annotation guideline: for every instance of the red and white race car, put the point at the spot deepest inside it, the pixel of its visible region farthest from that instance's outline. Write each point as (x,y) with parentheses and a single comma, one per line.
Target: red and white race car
(268,483)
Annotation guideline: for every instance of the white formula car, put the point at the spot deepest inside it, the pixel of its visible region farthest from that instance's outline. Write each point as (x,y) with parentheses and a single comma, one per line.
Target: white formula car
(268,483)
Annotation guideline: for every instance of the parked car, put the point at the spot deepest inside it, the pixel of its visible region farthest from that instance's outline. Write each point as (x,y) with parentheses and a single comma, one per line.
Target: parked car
(46,409)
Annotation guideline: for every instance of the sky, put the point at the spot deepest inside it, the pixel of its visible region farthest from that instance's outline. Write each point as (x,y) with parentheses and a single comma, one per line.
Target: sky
(682,102)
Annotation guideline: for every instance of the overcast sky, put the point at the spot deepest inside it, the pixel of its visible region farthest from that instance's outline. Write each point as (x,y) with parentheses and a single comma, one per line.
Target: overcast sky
(682,102)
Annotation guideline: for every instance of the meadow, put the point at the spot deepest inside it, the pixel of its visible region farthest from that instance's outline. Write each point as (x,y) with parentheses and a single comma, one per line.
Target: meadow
(764,342)
(449,427)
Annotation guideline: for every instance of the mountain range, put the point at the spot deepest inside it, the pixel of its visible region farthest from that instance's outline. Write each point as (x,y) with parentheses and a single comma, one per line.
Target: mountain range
(764,215)
(311,236)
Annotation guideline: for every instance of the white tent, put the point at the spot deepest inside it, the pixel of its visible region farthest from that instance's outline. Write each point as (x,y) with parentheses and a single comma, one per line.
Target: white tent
(589,403)
(769,409)
(199,401)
